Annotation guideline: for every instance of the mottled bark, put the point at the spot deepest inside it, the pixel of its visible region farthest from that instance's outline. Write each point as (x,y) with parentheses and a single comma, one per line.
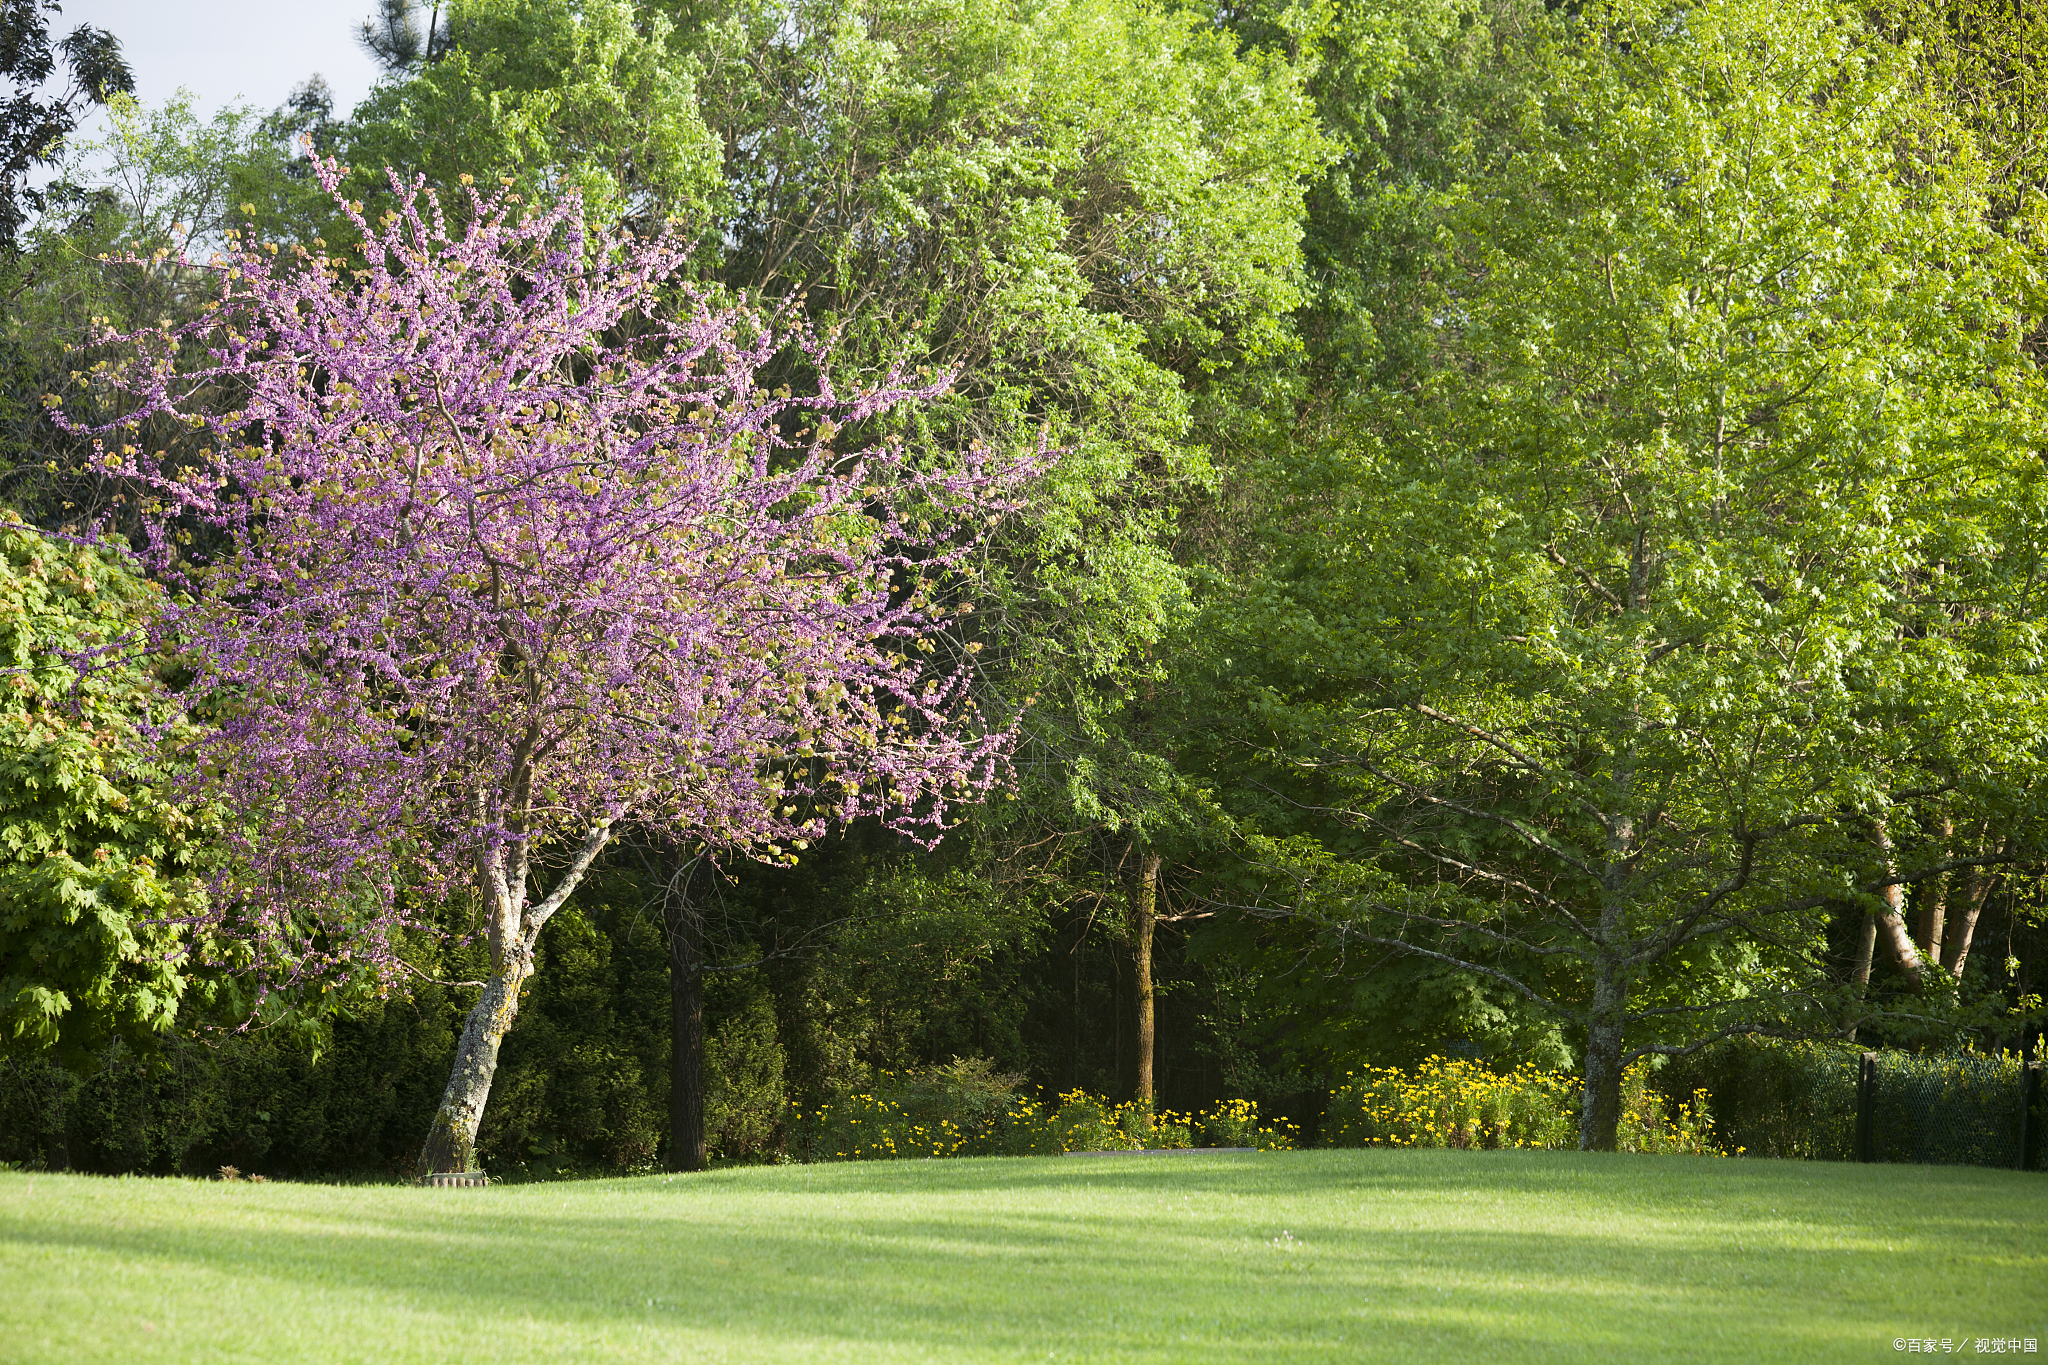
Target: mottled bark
(1976,888)
(1859,969)
(1891,918)
(1145,910)
(1600,1109)
(513,929)
(451,1143)
(1934,899)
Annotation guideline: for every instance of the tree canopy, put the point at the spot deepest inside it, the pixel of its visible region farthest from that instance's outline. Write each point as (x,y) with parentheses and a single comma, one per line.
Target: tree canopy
(1491,527)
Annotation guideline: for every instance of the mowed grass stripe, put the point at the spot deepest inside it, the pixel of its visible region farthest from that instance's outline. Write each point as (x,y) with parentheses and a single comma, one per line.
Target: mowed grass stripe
(1309,1256)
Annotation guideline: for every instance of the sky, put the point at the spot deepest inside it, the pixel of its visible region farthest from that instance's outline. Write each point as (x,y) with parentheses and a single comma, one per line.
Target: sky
(233,51)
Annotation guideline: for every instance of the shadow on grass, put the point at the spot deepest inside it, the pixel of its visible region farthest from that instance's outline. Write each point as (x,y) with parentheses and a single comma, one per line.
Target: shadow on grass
(1273,1258)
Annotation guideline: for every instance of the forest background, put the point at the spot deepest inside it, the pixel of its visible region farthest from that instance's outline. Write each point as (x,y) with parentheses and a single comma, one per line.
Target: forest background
(1541,568)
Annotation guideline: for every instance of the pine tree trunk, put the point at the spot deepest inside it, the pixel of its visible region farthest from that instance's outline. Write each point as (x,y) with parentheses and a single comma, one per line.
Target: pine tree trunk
(686,1147)
(1146,910)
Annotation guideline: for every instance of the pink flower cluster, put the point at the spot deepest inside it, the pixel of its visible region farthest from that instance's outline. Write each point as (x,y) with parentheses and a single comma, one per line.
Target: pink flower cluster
(514,551)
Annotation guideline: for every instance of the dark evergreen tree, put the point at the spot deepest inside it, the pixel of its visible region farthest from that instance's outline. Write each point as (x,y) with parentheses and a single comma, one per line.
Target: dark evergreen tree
(33,124)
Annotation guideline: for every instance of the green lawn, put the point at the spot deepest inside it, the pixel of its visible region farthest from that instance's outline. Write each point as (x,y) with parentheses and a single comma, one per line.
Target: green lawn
(1310,1256)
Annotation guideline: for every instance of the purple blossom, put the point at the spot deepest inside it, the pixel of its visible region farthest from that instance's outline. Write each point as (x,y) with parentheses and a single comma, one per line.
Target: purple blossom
(514,558)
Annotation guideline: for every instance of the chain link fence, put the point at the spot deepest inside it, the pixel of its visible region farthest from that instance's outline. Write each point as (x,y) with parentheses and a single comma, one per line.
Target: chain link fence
(1821,1103)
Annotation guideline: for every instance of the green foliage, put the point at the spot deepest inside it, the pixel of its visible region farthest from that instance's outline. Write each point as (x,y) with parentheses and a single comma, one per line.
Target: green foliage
(966,1108)
(1781,1099)
(1455,1103)
(110,252)
(262,1101)
(887,962)
(98,864)
(1649,393)
(1775,1099)
(579,1085)
(1451,1103)
(581,1079)
(583,96)
(162,178)
(1235,1123)
(1588,664)
(1087,210)
(745,1099)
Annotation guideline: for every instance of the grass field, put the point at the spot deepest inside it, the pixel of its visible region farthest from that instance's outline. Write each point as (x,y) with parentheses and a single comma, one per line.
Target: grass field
(1276,1257)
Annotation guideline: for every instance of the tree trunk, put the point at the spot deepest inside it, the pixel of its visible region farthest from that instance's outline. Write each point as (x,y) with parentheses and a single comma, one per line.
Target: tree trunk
(1934,913)
(451,1142)
(1891,920)
(1145,908)
(514,929)
(686,1149)
(1600,1111)
(1074,1052)
(1976,887)
(1859,972)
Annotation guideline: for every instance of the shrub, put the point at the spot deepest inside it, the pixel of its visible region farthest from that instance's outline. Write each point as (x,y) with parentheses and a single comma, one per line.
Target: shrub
(961,1109)
(1235,1123)
(1652,1122)
(744,1099)
(1455,1103)
(968,1109)
(1451,1103)
(1774,1099)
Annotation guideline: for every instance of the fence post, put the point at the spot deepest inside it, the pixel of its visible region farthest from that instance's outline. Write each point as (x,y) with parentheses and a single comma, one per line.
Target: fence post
(1866,1109)
(2030,1129)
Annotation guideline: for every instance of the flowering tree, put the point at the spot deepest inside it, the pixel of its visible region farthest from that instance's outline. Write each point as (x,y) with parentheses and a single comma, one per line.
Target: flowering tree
(510,558)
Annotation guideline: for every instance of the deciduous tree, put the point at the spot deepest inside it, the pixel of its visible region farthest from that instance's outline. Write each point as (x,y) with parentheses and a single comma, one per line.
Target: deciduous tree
(98,859)
(498,558)
(1613,664)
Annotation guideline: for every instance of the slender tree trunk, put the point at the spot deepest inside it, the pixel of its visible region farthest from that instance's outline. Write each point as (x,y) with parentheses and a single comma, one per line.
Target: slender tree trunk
(514,928)
(1891,920)
(451,1143)
(686,1149)
(1145,908)
(1600,1111)
(1966,927)
(1934,913)
(1976,888)
(1859,971)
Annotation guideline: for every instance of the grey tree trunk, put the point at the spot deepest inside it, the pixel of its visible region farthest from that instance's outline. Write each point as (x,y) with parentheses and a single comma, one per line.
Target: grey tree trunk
(1600,1110)
(1891,920)
(1976,888)
(451,1143)
(514,929)
(1859,970)
(1934,900)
